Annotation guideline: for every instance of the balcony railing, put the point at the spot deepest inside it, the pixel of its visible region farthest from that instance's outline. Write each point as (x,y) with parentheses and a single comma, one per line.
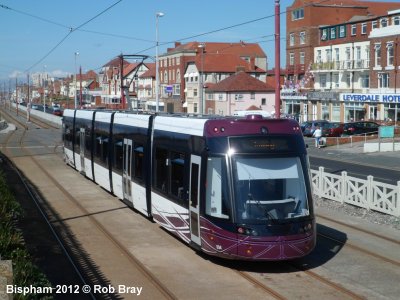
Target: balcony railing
(339,65)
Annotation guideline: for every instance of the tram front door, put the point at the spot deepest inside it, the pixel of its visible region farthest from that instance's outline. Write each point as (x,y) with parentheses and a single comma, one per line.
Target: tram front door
(82,149)
(127,170)
(194,199)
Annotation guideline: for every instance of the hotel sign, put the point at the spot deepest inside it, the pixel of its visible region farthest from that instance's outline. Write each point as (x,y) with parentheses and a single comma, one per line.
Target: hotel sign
(325,96)
(383,98)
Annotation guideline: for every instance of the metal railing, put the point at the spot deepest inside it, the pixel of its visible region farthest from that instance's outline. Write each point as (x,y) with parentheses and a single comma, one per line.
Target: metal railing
(369,194)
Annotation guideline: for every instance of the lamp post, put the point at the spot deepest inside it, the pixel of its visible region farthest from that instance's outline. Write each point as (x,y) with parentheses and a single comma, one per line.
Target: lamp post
(201,102)
(158,15)
(44,88)
(76,88)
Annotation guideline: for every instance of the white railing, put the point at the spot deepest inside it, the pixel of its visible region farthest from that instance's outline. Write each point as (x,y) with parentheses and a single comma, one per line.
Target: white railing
(368,193)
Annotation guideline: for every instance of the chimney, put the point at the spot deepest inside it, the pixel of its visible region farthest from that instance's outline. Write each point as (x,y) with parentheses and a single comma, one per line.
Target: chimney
(240,69)
(177,44)
(252,63)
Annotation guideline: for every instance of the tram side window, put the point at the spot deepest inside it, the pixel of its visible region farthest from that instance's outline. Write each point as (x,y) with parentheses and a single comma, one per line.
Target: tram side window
(169,173)
(104,153)
(88,142)
(161,170)
(97,151)
(118,156)
(68,135)
(138,156)
(101,154)
(217,201)
(77,140)
(177,174)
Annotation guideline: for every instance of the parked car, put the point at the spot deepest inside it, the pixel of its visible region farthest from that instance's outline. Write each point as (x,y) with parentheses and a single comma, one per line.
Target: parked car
(363,127)
(332,129)
(57,111)
(309,126)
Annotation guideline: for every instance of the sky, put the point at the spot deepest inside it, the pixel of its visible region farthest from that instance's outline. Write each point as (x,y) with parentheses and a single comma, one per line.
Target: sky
(36,36)
(44,35)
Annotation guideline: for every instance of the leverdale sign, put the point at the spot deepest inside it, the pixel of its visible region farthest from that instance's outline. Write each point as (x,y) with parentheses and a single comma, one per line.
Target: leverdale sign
(385,98)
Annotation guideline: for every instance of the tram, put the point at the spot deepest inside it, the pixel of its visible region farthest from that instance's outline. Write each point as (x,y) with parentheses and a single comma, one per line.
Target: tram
(233,187)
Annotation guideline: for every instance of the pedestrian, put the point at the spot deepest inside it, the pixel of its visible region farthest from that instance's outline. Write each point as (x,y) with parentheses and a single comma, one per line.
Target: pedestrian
(317,134)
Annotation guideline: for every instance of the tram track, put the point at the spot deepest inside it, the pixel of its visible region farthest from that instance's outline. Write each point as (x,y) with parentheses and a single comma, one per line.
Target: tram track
(397,242)
(19,140)
(356,247)
(133,259)
(335,288)
(34,120)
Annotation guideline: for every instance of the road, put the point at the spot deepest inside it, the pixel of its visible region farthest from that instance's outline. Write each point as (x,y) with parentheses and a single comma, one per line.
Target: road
(384,166)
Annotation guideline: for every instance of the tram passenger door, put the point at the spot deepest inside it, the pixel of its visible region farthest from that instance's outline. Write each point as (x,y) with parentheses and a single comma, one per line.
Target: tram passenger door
(126,170)
(194,199)
(82,149)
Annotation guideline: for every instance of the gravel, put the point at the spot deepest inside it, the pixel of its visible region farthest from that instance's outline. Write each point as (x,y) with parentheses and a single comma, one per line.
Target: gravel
(358,212)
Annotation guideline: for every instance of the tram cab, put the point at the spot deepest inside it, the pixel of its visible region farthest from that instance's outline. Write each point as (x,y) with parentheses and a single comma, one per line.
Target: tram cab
(258,202)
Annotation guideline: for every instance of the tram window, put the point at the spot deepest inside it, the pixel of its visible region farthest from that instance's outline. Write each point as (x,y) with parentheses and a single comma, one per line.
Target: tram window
(269,188)
(118,155)
(104,154)
(217,201)
(177,168)
(97,152)
(138,157)
(88,141)
(161,170)
(77,140)
(68,136)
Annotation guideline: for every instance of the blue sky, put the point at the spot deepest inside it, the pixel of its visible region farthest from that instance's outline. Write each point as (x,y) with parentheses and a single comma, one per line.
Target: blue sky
(29,30)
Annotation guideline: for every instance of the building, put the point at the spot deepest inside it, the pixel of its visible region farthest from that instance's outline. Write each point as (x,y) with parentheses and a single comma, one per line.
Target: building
(209,69)
(173,65)
(239,92)
(329,58)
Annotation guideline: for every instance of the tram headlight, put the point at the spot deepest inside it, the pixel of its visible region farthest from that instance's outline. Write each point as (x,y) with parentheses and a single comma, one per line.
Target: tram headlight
(247,231)
(305,228)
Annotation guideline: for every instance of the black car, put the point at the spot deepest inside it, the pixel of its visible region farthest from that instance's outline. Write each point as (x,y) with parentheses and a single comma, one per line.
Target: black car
(308,127)
(362,127)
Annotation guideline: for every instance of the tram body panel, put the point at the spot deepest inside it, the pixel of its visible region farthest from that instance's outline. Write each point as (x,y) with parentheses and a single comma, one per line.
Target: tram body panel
(69,157)
(171,216)
(102,176)
(117,185)
(139,198)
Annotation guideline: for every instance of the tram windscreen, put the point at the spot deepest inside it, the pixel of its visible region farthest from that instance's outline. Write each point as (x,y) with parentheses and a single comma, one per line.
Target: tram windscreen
(269,189)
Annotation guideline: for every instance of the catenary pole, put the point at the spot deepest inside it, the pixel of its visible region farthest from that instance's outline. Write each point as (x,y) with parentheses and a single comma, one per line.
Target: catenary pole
(277,60)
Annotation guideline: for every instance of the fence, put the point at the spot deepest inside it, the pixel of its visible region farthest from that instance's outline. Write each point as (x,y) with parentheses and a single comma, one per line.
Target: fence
(368,193)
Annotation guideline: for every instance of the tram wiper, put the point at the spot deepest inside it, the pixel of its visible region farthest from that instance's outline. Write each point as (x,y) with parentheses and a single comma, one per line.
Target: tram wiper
(270,216)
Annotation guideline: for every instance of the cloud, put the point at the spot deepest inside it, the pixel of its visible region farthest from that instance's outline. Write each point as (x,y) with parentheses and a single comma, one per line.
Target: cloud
(16,74)
(59,73)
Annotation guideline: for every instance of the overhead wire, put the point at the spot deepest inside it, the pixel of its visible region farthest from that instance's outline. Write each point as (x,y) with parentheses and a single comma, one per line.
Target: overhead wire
(71,29)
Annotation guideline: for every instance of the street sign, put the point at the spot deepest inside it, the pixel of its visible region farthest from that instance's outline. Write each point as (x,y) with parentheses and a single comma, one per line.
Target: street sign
(386,131)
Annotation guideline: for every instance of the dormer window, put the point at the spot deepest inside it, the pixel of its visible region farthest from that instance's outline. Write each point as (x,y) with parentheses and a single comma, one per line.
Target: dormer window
(298,14)
(324,34)
(384,22)
(333,33)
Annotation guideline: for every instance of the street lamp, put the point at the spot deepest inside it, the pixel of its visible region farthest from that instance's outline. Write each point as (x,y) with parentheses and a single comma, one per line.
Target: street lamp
(201,104)
(158,15)
(76,88)
(44,88)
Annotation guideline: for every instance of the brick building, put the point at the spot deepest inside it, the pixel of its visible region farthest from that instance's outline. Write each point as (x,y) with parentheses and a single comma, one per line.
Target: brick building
(330,58)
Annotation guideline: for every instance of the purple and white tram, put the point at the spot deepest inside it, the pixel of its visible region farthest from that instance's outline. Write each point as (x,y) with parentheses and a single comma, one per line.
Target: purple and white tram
(237,188)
